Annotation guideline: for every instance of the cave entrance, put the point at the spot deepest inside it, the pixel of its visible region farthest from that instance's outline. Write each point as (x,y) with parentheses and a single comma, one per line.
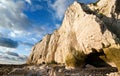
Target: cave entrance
(95,60)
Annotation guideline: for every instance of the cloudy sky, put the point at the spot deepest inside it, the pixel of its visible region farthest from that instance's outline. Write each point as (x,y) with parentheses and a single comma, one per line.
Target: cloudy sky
(24,22)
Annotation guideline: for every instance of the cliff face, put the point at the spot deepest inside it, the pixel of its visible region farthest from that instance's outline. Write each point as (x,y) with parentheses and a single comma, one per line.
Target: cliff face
(108,11)
(84,28)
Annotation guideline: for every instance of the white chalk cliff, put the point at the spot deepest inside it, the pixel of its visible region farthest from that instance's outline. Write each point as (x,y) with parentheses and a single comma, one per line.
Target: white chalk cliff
(84,27)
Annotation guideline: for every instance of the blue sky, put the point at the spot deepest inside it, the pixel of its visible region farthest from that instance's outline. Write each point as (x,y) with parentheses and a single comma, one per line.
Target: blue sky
(24,22)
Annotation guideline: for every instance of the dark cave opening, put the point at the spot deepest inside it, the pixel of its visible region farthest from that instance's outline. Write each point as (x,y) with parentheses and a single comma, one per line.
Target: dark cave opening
(95,60)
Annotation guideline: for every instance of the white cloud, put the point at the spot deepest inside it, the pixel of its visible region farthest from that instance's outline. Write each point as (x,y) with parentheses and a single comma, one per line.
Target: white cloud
(18,33)
(12,34)
(33,7)
(60,6)
(34,39)
(29,1)
(1,34)
(5,49)
(12,58)
(57,25)
(14,18)
(7,61)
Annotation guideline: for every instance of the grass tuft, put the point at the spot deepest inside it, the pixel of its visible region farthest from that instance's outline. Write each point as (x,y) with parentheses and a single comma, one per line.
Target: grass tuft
(75,59)
(113,54)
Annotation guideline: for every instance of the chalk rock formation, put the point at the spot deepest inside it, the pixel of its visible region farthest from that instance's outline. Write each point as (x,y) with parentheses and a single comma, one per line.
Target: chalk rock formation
(84,27)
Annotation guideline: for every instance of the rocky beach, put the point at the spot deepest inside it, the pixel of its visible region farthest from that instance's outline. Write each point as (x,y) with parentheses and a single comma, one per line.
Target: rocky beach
(56,70)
